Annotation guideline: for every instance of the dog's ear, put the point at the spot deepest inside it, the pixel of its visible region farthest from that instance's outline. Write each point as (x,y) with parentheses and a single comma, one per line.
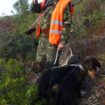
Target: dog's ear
(95,64)
(91,63)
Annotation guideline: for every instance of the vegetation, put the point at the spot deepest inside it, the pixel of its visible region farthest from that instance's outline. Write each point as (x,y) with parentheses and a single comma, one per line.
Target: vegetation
(18,49)
(14,86)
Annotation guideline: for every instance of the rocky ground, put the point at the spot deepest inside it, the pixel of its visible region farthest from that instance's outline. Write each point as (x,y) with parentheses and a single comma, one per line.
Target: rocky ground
(96,95)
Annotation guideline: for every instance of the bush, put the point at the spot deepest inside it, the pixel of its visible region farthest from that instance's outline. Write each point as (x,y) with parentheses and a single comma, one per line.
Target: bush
(20,47)
(14,88)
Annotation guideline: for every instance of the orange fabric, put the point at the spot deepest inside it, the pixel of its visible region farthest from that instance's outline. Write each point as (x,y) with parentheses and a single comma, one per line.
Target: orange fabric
(57,15)
(55,40)
(71,9)
(38,31)
(56,27)
(43,4)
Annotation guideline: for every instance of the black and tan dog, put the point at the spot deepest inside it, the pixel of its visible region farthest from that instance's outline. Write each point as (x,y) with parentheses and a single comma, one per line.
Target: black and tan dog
(69,89)
(50,78)
(64,83)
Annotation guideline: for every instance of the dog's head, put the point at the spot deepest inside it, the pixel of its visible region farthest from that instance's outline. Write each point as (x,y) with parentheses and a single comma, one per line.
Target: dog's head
(92,66)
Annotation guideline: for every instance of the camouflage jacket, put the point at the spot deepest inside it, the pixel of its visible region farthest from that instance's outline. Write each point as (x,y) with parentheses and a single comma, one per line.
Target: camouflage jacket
(45,22)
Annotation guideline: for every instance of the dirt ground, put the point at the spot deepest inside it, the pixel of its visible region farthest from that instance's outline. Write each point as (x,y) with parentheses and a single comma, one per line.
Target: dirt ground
(96,95)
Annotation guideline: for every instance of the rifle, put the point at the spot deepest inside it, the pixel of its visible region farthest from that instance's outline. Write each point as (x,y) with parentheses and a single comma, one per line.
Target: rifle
(31,30)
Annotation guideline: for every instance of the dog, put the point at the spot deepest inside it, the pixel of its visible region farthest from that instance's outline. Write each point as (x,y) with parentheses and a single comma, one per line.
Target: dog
(70,87)
(64,83)
(55,75)
(51,77)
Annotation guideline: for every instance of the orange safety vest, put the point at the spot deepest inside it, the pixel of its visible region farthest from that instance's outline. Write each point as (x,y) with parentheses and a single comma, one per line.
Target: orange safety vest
(56,25)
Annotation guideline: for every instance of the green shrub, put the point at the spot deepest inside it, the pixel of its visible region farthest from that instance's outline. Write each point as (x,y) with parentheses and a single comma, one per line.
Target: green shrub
(14,86)
(20,47)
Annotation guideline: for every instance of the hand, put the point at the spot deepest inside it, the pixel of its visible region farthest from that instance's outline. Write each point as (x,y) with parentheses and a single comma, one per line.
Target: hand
(60,46)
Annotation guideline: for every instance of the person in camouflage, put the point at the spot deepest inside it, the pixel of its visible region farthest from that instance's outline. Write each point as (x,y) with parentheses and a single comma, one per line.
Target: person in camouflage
(45,52)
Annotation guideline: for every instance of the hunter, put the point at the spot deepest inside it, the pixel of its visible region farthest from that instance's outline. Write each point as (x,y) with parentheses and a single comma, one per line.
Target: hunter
(51,32)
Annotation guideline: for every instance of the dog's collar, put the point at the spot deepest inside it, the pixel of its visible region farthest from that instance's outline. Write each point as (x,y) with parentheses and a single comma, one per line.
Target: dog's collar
(80,66)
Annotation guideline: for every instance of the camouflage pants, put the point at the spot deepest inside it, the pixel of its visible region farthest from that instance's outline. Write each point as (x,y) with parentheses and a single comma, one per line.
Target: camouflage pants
(45,52)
